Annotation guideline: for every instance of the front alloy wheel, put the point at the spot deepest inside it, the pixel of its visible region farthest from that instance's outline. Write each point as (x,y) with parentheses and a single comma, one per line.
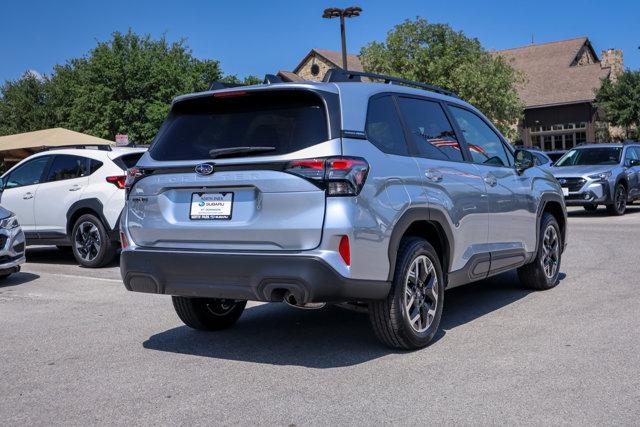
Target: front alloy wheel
(619,205)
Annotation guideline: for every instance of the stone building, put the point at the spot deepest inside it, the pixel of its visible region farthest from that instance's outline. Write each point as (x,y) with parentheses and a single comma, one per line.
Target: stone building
(317,62)
(561,80)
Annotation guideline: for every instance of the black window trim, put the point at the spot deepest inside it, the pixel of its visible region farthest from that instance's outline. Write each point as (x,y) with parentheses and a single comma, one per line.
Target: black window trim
(508,147)
(45,171)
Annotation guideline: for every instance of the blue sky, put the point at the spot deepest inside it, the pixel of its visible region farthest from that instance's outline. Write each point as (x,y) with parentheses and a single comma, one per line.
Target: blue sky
(258,37)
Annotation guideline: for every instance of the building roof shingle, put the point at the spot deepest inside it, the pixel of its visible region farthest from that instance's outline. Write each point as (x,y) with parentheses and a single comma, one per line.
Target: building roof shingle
(551,74)
(353,61)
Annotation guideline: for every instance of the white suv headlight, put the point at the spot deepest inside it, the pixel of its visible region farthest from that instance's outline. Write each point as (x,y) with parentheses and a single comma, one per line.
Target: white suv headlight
(602,176)
(9,222)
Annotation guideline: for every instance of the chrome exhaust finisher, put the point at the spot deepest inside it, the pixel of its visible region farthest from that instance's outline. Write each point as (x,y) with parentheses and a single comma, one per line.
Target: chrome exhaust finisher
(291,300)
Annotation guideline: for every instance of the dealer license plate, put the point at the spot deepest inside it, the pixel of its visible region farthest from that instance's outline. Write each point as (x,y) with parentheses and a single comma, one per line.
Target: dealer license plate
(211,205)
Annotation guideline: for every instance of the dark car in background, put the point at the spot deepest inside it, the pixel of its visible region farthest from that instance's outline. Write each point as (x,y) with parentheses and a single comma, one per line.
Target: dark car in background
(600,174)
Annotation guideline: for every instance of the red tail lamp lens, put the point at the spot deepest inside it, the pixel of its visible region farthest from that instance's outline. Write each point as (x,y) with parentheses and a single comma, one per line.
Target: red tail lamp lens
(345,250)
(118,181)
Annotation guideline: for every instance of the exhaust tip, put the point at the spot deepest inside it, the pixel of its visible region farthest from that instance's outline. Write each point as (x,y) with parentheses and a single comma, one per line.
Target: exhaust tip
(291,300)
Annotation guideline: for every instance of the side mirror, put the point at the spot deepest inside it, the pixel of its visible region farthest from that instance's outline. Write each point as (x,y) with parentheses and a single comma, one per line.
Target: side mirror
(524,160)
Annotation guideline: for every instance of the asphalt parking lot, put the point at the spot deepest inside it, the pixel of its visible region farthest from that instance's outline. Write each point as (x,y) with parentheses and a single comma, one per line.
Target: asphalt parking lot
(77,348)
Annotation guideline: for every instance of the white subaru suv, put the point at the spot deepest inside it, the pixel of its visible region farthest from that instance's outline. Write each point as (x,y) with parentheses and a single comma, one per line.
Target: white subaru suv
(71,197)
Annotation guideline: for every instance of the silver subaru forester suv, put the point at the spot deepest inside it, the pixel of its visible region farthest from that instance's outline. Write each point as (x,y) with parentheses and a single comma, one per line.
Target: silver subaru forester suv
(383,194)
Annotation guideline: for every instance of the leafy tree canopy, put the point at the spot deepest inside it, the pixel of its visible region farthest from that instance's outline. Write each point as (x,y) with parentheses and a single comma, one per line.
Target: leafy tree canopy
(620,100)
(438,55)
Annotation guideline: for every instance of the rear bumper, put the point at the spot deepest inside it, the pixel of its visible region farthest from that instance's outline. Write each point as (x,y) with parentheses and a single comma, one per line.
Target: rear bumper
(244,276)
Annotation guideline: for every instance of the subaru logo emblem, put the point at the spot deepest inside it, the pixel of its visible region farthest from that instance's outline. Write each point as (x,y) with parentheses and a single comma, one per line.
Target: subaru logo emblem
(204,169)
(562,181)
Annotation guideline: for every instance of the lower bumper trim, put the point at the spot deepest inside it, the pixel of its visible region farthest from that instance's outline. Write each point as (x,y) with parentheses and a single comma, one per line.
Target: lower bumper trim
(253,277)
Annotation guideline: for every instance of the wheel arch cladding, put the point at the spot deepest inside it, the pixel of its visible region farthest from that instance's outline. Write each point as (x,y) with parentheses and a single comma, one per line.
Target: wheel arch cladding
(553,206)
(82,207)
(428,224)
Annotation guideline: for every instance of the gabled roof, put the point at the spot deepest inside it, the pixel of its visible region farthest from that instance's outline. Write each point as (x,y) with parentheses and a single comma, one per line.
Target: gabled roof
(289,76)
(552,74)
(353,61)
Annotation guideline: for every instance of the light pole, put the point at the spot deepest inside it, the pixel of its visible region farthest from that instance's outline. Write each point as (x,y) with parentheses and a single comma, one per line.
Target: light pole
(350,12)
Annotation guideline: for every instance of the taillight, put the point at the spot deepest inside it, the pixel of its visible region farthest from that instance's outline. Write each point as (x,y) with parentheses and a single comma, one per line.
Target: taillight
(339,176)
(124,243)
(118,181)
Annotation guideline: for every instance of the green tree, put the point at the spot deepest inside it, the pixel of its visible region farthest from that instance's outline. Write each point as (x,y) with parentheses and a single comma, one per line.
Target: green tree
(620,101)
(23,105)
(438,55)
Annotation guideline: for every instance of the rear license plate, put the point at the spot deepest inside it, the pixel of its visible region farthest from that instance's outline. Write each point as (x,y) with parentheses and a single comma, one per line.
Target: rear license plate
(211,205)
(565,191)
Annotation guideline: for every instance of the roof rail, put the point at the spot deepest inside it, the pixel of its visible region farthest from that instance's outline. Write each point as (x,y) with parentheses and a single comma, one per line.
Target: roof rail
(100,147)
(337,75)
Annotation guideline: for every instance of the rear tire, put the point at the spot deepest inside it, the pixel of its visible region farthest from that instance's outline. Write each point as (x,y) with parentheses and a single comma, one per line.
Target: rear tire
(90,242)
(208,314)
(543,273)
(619,205)
(417,292)
(590,208)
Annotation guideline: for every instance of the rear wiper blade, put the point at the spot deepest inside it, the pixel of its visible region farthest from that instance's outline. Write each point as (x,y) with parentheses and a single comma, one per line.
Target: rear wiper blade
(232,151)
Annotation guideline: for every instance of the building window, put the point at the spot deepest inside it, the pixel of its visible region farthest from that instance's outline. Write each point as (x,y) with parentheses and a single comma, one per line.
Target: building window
(560,136)
(315,69)
(548,143)
(581,137)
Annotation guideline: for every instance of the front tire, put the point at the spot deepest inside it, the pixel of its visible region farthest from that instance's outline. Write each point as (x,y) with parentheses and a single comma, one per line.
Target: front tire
(619,205)
(410,315)
(543,273)
(208,314)
(90,242)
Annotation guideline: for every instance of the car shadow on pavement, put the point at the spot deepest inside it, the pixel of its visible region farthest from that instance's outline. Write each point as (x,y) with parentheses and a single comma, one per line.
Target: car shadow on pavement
(602,212)
(333,337)
(53,255)
(17,279)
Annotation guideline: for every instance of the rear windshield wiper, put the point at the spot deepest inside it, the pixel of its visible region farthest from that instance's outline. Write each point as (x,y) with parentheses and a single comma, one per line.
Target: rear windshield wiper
(232,151)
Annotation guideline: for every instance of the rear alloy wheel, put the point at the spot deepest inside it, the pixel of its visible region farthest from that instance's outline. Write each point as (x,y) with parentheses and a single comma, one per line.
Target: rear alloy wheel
(619,205)
(590,208)
(90,242)
(410,316)
(544,271)
(208,314)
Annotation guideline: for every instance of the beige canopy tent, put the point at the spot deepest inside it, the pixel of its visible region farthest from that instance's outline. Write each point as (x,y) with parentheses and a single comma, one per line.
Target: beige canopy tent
(14,148)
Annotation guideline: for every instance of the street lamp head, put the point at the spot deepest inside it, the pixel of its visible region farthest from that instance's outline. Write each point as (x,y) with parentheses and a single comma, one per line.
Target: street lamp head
(352,11)
(332,12)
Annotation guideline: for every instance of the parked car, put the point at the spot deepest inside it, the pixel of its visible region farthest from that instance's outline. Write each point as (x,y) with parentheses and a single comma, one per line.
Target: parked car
(540,158)
(555,155)
(71,197)
(11,244)
(600,174)
(340,191)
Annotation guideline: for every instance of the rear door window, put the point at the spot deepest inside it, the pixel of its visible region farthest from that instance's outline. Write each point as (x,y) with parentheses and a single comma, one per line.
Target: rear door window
(67,167)
(430,129)
(383,126)
(280,121)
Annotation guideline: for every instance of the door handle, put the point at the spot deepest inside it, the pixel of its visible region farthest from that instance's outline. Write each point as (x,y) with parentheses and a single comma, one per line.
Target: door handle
(75,188)
(27,196)
(490,180)
(433,175)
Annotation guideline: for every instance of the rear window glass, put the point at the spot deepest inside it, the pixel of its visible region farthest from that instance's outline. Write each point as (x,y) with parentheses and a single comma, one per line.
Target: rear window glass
(279,121)
(128,160)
